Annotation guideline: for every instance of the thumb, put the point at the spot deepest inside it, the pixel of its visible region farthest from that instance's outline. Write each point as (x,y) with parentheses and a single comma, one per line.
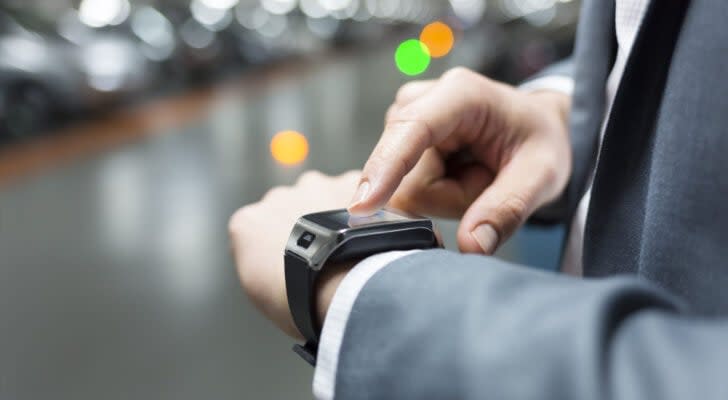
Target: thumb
(523,185)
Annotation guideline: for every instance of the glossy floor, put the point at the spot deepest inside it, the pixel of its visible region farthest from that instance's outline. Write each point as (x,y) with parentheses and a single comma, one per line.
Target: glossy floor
(115,276)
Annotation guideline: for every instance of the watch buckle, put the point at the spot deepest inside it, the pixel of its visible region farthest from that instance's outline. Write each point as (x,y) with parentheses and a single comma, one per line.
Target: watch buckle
(307,352)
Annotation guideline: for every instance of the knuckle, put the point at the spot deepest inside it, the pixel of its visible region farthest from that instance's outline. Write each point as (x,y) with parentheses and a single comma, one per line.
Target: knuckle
(237,220)
(354,174)
(550,171)
(550,168)
(468,83)
(416,131)
(404,91)
(248,283)
(401,93)
(406,139)
(406,164)
(310,176)
(376,159)
(513,211)
(458,74)
(391,111)
(468,105)
(275,193)
(392,160)
(396,115)
(401,146)
(402,125)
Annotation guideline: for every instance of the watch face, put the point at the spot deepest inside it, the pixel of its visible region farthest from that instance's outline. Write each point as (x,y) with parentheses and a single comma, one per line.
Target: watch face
(336,235)
(340,219)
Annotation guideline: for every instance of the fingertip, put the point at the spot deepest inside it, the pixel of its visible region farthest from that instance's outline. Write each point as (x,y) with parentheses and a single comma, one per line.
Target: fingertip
(368,199)
(358,210)
(363,209)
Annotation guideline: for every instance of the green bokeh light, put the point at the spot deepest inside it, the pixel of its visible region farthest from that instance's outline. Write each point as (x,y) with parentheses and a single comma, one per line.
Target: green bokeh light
(412,57)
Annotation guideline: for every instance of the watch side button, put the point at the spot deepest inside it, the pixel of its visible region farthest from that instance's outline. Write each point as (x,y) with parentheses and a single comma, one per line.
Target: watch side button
(306,239)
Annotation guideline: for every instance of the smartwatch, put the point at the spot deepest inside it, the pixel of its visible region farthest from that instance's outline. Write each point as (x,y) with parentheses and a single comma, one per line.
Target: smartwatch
(335,236)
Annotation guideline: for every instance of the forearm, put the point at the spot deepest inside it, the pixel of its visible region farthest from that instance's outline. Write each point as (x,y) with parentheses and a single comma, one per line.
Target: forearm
(502,330)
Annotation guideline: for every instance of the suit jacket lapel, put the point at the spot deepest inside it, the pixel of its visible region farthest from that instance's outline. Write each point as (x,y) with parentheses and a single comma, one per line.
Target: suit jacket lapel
(618,200)
(594,55)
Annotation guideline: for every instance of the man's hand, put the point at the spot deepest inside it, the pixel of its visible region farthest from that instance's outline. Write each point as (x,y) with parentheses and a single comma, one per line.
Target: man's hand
(518,155)
(259,233)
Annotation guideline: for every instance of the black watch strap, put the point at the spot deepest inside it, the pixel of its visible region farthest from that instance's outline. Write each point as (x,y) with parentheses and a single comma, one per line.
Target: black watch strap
(300,281)
(307,351)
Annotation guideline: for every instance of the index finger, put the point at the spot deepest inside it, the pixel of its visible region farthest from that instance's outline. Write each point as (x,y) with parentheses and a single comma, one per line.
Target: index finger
(453,104)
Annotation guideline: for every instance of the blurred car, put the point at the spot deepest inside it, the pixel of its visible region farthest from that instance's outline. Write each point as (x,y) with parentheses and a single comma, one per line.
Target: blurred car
(156,38)
(44,77)
(145,28)
(200,51)
(35,77)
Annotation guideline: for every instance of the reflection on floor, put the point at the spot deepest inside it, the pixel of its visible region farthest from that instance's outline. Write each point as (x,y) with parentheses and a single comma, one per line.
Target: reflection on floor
(115,277)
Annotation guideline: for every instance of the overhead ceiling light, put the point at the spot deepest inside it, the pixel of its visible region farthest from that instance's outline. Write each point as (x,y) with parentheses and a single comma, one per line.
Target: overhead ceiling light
(335,5)
(469,11)
(252,18)
(274,26)
(100,13)
(123,13)
(279,7)
(196,35)
(220,4)
(313,9)
(210,17)
(348,12)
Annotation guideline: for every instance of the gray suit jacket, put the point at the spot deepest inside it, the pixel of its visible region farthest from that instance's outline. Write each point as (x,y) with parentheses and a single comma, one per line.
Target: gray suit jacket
(651,319)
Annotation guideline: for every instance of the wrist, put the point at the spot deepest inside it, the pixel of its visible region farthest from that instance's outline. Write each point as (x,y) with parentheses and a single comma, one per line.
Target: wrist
(557,101)
(549,112)
(326,285)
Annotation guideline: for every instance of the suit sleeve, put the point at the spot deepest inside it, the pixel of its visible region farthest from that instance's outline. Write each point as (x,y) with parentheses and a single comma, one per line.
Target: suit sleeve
(439,325)
(562,71)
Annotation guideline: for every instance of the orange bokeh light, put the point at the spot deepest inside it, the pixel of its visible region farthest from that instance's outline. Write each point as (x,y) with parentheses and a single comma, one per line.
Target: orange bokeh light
(439,39)
(289,147)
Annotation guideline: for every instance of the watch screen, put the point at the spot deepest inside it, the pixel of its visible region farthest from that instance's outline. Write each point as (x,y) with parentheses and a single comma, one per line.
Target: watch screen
(376,218)
(341,219)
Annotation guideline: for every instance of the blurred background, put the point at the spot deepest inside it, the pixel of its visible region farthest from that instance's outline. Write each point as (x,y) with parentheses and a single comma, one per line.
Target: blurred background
(130,130)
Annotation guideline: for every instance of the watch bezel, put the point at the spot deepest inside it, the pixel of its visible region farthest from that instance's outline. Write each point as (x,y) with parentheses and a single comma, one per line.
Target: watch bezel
(328,239)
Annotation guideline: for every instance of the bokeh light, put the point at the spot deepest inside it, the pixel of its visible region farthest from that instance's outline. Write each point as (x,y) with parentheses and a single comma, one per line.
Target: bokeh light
(100,13)
(220,4)
(336,5)
(313,9)
(472,11)
(279,7)
(412,57)
(289,147)
(438,38)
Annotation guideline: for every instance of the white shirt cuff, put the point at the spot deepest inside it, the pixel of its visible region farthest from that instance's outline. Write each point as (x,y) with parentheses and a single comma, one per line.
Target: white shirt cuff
(332,333)
(558,83)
